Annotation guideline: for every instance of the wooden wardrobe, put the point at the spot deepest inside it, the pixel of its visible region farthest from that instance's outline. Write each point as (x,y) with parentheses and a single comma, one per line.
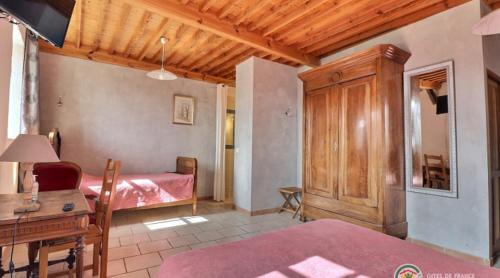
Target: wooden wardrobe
(353,140)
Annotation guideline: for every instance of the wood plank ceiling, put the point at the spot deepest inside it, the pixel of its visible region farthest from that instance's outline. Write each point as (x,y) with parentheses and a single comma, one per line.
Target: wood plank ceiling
(207,38)
(494,4)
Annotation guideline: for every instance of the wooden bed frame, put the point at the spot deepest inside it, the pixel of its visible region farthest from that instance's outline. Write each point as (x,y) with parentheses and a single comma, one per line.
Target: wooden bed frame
(184,166)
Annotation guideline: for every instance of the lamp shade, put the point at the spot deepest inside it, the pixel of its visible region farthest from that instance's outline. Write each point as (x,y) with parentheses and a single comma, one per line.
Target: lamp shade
(161,74)
(29,149)
(488,25)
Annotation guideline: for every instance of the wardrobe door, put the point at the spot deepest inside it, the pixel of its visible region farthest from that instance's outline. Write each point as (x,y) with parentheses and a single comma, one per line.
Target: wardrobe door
(321,129)
(358,161)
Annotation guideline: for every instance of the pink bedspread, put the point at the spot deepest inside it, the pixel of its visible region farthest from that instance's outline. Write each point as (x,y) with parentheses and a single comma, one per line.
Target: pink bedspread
(323,248)
(143,190)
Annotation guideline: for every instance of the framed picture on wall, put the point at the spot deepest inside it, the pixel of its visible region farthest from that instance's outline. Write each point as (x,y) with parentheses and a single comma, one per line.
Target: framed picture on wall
(183,110)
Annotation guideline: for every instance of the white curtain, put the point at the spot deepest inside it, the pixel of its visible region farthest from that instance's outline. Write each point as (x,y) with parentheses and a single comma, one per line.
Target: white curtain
(220,141)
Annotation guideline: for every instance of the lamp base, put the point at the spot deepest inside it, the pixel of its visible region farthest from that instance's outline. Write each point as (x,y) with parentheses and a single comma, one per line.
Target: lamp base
(31,207)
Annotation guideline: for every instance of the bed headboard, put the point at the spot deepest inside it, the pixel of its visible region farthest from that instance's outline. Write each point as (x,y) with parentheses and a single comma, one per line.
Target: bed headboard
(186,166)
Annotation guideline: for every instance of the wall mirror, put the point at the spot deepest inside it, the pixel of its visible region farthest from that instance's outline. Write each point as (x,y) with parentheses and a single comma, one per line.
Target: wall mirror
(430,139)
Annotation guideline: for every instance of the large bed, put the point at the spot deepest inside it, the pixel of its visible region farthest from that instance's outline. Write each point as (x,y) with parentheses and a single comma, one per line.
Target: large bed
(323,248)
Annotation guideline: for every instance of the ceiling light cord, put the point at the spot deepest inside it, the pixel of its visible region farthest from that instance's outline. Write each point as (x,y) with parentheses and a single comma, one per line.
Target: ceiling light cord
(162,55)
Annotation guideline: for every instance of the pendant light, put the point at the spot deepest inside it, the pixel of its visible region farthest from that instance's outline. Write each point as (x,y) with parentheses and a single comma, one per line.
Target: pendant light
(162,74)
(488,25)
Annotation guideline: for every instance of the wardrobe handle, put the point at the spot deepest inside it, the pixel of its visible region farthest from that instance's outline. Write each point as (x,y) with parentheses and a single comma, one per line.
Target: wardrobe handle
(334,147)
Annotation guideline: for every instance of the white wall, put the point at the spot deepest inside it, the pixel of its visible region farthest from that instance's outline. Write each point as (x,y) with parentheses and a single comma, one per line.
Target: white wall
(117,112)
(460,224)
(274,133)
(266,138)
(6,174)
(434,127)
(243,135)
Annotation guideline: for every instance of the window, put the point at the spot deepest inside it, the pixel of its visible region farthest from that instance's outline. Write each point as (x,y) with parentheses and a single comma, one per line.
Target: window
(16,82)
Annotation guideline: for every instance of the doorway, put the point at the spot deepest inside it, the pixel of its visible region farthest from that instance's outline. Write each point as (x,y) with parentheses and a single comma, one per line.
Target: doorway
(229,151)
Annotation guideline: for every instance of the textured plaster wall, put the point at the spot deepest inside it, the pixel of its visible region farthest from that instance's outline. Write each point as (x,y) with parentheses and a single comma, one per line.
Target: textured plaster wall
(6,184)
(266,139)
(460,224)
(274,133)
(243,135)
(111,111)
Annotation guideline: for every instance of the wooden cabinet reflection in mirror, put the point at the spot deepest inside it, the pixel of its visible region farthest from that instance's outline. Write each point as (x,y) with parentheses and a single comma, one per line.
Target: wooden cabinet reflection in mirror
(430,130)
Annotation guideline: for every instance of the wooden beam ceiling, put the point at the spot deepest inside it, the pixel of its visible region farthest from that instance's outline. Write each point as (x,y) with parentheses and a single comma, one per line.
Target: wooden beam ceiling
(86,53)
(494,4)
(223,29)
(208,38)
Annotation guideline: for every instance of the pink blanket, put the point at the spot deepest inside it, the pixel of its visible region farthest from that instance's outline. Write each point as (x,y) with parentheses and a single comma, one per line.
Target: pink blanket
(143,190)
(323,248)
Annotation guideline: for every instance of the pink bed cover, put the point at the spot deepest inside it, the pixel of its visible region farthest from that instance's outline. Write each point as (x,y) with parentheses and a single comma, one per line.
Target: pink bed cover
(143,190)
(323,248)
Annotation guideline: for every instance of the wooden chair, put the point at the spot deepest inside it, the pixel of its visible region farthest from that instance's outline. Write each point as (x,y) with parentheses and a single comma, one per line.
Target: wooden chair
(435,172)
(54,176)
(97,234)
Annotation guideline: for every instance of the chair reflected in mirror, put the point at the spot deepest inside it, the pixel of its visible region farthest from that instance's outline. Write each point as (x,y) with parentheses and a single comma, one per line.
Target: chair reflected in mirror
(430,130)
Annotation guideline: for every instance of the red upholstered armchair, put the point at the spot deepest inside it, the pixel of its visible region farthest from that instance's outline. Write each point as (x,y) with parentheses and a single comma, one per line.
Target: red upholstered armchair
(57,176)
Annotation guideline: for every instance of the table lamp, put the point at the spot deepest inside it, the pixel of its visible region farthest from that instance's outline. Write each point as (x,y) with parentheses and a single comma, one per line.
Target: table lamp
(28,150)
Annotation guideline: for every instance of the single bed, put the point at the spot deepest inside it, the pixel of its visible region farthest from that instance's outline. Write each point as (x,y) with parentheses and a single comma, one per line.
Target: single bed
(323,248)
(143,191)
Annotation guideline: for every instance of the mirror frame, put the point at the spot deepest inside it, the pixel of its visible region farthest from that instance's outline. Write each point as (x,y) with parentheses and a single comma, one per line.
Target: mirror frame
(453,192)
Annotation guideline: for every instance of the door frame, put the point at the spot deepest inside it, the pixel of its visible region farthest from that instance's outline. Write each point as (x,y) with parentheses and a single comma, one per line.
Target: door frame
(490,75)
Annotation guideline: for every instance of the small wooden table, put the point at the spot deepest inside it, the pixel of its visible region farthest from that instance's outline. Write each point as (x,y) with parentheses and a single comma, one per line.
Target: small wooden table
(288,193)
(50,222)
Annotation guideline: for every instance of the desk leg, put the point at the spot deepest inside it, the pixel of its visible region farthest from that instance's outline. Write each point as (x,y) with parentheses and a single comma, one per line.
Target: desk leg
(79,256)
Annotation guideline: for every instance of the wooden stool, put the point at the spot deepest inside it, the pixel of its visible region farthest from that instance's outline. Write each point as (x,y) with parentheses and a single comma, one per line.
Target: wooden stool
(288,193)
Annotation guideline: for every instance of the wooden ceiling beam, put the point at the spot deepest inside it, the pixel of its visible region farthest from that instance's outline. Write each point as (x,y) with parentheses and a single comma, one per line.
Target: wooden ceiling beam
(231,65)
(207,39)
(252,11)
(224,58)
(172,41)
(307,7)
(212,24)
(218,53)
(101,25)
(86,53)
(181,44)
(361,34)
(276,12)
(124,15)
(138,33)
(368,16)
(207,5)
(153,41)
(218,47)
(316,21)
(228,8)
(79,22)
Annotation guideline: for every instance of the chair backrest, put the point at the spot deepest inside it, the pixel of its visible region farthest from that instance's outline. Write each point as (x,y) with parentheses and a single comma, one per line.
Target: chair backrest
(104,206)
(54,176)
(435,169)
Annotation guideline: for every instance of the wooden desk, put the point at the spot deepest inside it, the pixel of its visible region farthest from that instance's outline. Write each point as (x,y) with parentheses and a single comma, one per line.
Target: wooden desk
(50,222)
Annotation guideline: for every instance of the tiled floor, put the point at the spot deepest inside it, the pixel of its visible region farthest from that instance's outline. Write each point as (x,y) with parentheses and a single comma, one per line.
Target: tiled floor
(141,240)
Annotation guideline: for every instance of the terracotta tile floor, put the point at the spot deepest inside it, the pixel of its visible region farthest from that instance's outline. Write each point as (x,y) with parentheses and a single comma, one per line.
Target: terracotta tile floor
(141,240)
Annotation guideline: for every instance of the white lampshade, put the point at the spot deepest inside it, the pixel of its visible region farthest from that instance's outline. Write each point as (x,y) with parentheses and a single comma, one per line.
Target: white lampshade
(162,74)
(488,25)
(29,149)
